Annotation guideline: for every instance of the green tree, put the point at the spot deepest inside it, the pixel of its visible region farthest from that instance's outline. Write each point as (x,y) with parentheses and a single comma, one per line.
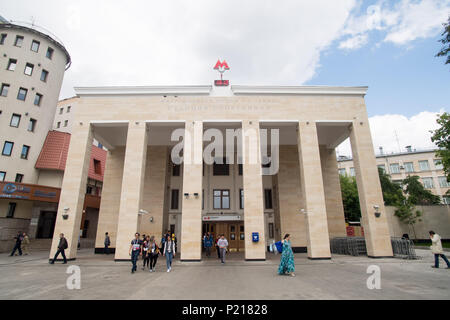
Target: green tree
(408,214)
(392,192)
(417,194)
(441,137)
(350,199)
(446,42)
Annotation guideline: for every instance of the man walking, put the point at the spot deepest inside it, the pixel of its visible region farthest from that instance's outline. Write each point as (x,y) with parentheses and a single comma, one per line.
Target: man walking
(135,250)
(62,245)
(223,244)
(208,242)
(436,249)
(18,245)
(25,244)
(107,243)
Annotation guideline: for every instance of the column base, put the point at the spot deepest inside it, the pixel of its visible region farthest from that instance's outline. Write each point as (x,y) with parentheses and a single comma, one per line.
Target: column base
(320,258)
(190,260)
(102,250)
(122,260)
(255,259)
(380,257)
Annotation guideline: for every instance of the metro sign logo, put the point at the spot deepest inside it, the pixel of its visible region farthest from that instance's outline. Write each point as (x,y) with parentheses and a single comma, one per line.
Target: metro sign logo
(221,67)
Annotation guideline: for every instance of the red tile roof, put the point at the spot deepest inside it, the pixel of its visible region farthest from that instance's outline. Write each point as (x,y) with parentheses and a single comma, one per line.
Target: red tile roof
(54,152)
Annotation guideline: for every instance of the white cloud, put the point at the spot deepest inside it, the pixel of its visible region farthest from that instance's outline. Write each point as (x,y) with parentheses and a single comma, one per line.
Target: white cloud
(394,132)
(354,43)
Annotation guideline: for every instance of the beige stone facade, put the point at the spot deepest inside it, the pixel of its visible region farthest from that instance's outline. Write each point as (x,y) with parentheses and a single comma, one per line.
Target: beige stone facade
(302,198)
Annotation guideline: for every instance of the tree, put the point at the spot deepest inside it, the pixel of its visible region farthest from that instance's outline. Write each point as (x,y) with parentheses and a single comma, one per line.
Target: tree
(446,42)
(350,199)
(407,214)
(392,192)
(441,137)
(417,194)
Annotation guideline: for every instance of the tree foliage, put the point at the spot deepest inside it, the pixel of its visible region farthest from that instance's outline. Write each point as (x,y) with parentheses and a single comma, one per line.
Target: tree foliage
(441,137)
(408,214)
(350,199)
(446,42)
(417,194)
(392,192)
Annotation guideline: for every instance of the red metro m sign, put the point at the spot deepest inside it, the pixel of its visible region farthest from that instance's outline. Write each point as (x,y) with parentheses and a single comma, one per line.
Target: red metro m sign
(221,67)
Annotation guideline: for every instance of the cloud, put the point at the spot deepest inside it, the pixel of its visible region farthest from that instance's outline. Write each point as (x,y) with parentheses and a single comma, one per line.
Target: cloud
(394,132)
(354,43)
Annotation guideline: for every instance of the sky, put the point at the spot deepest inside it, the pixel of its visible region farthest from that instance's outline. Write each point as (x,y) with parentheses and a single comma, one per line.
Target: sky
(389,46)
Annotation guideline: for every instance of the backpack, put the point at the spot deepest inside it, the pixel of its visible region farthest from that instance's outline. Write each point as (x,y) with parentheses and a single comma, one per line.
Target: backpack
(279,246)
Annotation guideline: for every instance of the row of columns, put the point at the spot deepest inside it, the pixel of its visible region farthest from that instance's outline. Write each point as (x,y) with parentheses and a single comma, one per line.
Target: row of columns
(312,191)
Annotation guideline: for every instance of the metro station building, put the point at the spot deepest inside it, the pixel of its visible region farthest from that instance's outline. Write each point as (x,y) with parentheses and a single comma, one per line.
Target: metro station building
(145,190)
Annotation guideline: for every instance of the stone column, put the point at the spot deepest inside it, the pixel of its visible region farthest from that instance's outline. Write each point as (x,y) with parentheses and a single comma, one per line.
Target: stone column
(191,216)
(376,230)
(253,191)
(73,189)
(333,195)
(132,187)
(110,204)
(313,194)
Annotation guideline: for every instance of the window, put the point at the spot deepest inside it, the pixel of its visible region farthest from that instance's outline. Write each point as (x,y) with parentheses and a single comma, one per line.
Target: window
(5,88)
(221,199)
(409,166)
(19,177)
(68,109)
(44,75)
(19,41)
(97,167)
(28,69)
(49,53)
(3,38)
(271,229)
(22,94)
(438,164)
(61,110)
(25,151)
(11,209)
(395,168)
(2,175)
(443,183)
(428,183)
(424,166)
(32,125)
(221,169)
(89,190)
(7,148)
(268,198)
(241,198)
(176,170)
(382,167)
(352,172)
(399,182)
(240,169)
(15,120)
(12,64)
(174,199)
(35,46)
(446,199)
(37,99)
(58,125)
(66,122)
(342,171)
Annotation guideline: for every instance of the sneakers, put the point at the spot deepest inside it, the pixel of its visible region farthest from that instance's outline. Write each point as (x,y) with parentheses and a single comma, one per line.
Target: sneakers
(151,270)
(168,270)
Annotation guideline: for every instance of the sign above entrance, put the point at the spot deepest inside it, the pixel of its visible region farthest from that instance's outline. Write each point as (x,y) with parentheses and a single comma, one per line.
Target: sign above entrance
(221,67)
(222,218)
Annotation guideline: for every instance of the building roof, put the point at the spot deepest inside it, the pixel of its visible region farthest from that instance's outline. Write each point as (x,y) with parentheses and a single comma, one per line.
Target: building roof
(389,155)
(54,152)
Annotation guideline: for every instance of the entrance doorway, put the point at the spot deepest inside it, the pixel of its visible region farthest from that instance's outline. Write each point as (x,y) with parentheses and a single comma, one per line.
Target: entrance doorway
(233,231)
(46,225)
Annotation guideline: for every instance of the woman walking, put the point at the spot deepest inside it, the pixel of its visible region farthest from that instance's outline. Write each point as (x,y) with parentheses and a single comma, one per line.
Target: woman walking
(287,265)
(145,252)
(153,251)
(169,252)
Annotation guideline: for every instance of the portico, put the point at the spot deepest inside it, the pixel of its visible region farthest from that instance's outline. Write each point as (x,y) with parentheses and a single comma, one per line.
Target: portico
(146,190)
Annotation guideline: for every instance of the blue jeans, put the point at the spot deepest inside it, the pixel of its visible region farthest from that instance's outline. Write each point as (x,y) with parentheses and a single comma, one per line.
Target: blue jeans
(169,257)
(436,260)
(134,259)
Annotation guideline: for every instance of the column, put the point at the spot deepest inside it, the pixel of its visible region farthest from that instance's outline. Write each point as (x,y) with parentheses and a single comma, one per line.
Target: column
(132,187)
(73,189)
(376,230)
(333,195)
(253,191)
(191,216)
(318,242)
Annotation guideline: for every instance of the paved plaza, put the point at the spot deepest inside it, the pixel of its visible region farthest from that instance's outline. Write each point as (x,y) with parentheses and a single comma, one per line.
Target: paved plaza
(343,277)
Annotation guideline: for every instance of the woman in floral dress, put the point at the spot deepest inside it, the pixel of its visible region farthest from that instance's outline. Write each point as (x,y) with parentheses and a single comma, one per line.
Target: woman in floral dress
(287,265)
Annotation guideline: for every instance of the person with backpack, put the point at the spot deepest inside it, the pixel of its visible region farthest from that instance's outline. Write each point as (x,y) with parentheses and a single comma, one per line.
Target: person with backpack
(18,245)
(208,243)
(146,253)
(135,251)
(169,252)
(287,265)
(62,245)
(107,243)
(154,253)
